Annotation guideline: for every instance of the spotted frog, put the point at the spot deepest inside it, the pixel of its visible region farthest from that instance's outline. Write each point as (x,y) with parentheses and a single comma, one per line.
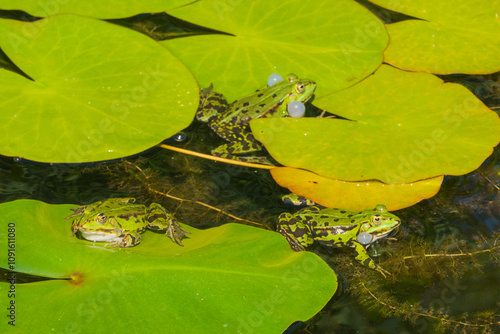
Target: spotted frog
(120,222)
(231,121)
(339,228)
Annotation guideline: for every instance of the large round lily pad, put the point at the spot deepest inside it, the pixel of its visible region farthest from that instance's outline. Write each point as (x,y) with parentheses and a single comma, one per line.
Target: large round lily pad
(99,91)
(229,279)
(336,43)
(460,36)
(93,8)
(403,127)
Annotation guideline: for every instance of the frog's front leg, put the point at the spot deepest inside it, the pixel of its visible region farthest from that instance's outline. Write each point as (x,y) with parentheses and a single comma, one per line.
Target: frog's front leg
(363,257)
(295,232)
(129,240)
(240,142)
(211,104)
(159,219)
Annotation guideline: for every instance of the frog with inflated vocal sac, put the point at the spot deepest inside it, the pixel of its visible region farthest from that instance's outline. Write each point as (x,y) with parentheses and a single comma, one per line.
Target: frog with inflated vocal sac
(231,121)
(339,228)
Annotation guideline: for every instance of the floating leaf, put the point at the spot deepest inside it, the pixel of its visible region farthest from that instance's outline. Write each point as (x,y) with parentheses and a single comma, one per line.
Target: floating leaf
(93,8)
(229,279)
(354,195)
(404,127)
(99,91)
(461,36)
(334,43)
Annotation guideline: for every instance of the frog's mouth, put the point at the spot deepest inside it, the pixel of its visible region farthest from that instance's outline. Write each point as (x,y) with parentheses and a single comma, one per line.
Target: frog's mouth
(99,235)
(383,235)
(304,101)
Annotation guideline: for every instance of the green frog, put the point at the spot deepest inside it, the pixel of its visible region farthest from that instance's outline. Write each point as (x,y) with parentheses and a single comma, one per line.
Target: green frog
(339,228)
(231,121)
(120,221)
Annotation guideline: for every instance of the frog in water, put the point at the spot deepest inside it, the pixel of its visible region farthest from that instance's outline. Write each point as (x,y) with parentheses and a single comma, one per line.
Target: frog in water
(339,228)
(120,221)
(231,121)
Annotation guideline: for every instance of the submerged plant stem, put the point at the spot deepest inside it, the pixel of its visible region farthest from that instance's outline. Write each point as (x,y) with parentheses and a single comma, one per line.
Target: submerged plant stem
(192,201)
(205,205)
(211,157)
(451,255)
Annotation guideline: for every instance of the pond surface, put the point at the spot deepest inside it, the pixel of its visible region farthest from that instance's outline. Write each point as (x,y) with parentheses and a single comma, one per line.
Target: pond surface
(444,263)
(454,287)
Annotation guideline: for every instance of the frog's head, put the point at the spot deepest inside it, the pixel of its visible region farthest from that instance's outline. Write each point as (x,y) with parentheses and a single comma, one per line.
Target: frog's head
(378,224)
(91,218)
(302,89)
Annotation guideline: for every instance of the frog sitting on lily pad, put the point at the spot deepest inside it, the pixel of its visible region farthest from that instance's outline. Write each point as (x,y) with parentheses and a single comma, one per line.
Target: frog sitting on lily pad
(339,228)
(120,222)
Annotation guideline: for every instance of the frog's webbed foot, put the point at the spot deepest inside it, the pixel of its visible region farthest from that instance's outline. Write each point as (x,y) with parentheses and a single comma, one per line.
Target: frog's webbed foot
(175,232)
(78,211)
(129,240)
(382,271)
(160,219)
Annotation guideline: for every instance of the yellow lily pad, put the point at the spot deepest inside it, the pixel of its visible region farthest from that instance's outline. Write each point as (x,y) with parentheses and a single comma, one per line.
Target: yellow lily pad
(460,36)
(354,195)
(402,127)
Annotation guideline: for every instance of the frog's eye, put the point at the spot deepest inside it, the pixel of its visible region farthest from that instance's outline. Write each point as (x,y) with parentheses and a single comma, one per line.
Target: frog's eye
(300,88)
(102,218)
(376,220)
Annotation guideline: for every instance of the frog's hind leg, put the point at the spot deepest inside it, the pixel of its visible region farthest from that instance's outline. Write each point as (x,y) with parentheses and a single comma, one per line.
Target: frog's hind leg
(159,219)
(211,104)
(296,233)
(128,240)
(243,143)
(363,257)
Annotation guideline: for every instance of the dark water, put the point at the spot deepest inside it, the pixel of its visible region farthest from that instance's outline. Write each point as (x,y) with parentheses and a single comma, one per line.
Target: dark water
(463,217)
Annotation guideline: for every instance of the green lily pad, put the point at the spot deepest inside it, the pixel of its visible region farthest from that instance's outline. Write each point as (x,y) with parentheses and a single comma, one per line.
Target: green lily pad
(354,195)
(93,8)
(403,127)
(334,43)
(99,91)
(229,279)
(461,36)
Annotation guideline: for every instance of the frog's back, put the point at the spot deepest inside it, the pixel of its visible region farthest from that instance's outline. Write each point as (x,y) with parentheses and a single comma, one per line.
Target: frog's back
(262,103)
(335,217)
